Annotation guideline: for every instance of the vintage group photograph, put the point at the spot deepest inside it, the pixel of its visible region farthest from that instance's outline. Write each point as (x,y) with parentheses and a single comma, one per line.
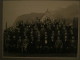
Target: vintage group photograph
(40,28)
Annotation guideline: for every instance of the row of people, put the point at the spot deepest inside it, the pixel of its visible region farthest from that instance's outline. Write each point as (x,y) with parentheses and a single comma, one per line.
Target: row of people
(38,37)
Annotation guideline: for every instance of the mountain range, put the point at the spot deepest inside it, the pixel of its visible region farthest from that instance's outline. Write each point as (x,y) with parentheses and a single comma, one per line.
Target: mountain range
(68,13)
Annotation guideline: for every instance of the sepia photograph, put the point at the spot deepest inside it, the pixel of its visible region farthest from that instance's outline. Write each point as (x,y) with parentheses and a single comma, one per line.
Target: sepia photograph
(40,28)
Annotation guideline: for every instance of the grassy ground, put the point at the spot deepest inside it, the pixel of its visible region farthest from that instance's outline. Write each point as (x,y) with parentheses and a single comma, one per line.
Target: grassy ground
(6,54)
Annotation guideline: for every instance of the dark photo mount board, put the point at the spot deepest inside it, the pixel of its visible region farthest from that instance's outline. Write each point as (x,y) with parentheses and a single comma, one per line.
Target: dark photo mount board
(34,58)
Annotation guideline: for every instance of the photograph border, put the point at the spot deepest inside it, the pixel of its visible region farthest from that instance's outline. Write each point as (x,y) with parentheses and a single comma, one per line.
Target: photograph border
(34,58)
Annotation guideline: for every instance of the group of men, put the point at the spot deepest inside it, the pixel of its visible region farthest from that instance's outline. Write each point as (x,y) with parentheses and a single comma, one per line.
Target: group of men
(41,38)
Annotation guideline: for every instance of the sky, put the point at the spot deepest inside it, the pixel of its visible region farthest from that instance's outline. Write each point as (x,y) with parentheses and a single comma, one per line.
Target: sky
(13,9)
